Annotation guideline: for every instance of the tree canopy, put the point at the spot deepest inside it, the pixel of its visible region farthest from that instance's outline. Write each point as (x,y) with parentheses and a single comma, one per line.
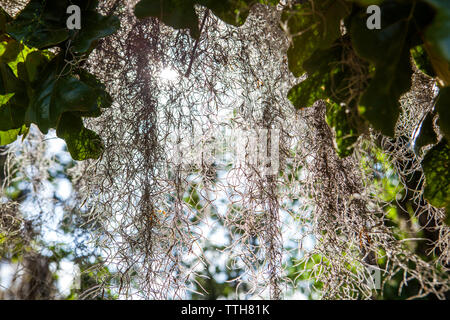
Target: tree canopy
(363,115)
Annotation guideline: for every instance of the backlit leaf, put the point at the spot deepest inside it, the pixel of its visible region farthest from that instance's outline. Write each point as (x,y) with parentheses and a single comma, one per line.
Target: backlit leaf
(389,50)
(339,118)
(422,61)
(82,143)
(312,28)
(7,137)
(58,94)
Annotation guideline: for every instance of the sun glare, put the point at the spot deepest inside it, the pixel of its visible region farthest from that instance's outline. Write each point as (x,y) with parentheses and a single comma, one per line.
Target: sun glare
(169,74)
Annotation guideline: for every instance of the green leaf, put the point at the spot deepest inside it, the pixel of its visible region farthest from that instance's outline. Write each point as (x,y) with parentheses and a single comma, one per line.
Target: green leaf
(9,83)
(328,79)
(10,51)
(312,28)
(58,94)
(443,109)
(379,45)
(7,137)
(308,91)
(389,50)
(438,31)
(422,61)
(103,98)
(319,67)
(12,110)
(82,143)
(41,24)
(35,64)
(36,87)
(436,167)
(180,14)
(233,12)
(380,102)
(94,26)
(339,118)
(9,55)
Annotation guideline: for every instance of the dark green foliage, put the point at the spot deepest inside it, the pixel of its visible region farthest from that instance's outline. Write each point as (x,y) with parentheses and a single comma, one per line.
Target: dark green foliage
(81,142)
(180,14)
(56,95)
(388,49)
(103,99)
(346,133)
(320,67)
(422,60)
(436,166)
(40,24)
(4,19)
(328,79)
(12,50)
(37,88)
(94,26)
(318,27)
(443,109)
(408,28)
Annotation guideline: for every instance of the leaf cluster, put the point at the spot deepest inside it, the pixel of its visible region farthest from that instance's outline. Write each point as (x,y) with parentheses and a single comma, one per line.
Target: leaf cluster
(42,81)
